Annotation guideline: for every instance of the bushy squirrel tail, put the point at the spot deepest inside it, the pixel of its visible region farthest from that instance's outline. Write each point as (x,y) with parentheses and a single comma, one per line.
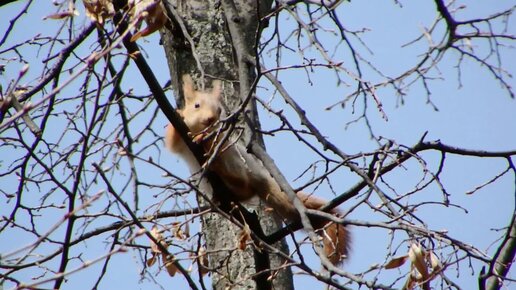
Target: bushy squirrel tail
(336,237)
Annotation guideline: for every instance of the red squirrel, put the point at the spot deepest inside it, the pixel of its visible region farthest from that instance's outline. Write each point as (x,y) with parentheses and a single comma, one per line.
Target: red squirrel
(243,173)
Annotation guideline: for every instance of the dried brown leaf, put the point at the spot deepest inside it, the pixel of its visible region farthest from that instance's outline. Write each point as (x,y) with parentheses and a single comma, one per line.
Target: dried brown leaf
(178,232)
(152,260)
(410,283)
(59,15)
(152,11)
(396,262)
(203,261)
(243,237)
(187,230)
(417,257)
(99,10)
(169,265)
(159,238)
(435,262)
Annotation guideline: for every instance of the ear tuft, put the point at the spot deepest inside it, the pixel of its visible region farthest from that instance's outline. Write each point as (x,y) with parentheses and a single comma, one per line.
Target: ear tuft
(217,88)
(188,87)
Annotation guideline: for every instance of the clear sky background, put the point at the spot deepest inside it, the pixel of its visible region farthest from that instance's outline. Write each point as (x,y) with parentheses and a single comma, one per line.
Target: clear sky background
(474,113)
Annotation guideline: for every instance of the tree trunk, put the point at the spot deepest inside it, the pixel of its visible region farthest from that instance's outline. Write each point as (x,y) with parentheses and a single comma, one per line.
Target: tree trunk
(203,24)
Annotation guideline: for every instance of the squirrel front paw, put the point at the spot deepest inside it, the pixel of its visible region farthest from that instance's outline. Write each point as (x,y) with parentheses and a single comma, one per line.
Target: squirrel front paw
(197,138)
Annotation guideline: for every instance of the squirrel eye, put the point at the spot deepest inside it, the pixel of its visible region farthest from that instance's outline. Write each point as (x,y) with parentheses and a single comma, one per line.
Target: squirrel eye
(197,105)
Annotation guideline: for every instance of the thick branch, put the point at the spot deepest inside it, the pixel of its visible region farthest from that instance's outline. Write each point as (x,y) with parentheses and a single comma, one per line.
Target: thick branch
(450,21)
(503,258)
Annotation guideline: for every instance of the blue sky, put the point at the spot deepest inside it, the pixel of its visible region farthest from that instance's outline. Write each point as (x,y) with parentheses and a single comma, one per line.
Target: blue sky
(474,113)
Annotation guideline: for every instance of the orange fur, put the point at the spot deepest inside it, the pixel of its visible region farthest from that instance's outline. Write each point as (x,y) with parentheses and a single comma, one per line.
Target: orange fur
(336,237)
(243,173)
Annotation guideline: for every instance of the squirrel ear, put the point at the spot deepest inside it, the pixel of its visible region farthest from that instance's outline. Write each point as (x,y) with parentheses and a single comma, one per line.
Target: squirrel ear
(217,88)
(188,87)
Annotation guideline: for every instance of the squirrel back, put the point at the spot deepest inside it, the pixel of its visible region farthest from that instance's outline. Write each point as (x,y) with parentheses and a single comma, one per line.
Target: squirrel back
(243,173)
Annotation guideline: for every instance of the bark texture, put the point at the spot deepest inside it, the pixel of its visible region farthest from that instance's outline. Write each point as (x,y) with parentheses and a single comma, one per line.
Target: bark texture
(199,43)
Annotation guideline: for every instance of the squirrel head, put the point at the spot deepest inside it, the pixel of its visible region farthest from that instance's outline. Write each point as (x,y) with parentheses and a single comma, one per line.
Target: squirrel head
(202,108)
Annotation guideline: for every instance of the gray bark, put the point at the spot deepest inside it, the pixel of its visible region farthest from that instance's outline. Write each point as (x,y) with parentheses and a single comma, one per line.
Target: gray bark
(503,259)
(203,24)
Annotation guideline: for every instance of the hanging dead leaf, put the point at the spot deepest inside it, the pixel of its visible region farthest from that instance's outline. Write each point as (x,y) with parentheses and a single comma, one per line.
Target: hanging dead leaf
(187,230)
(64,14)
(99,10)
(415,274)
(409,284)
(152,260)
(420,260)
(178,232)
(152,11)
(168,262)
(60,15)
(396,262)
(243,237)
(71,7)
(435,262)
(159,238)
(417,257)
(203,261)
